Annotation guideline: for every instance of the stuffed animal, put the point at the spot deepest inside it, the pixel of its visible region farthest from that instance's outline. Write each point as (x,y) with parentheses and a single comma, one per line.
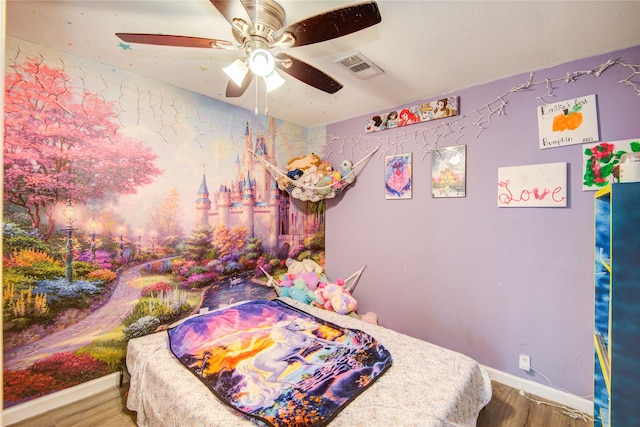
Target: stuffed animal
(307,264)
(304,162)
(311,176)
(369,317)
(325,168)
(295,174)
(346,171)
(299,291)
(333,296)
(334,179)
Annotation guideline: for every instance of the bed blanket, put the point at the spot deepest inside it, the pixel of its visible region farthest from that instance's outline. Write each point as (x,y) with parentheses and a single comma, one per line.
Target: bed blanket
(277,365)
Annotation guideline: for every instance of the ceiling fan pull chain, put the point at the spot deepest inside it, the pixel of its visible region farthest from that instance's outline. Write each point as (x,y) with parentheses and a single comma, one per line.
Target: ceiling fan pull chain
(266,103)
(256,109)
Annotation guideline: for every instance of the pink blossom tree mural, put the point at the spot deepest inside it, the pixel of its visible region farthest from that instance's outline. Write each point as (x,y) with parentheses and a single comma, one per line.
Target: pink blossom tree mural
(62,143)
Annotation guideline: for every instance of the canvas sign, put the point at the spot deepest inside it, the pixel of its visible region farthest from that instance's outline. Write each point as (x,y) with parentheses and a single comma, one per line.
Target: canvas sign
(541,185)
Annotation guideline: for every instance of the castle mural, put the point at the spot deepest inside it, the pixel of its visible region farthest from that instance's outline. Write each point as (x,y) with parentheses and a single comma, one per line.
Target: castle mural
(252,199)
(128,205)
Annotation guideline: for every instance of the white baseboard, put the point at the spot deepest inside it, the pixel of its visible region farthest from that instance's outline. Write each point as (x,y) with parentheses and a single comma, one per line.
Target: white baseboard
(60,398)
(549,393)
(64,397)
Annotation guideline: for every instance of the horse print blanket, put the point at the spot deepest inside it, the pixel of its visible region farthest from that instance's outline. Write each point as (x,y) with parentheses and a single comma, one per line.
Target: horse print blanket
(277,365)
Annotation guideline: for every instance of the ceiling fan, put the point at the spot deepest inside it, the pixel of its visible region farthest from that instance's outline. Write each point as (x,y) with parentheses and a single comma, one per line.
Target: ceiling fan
(259,26)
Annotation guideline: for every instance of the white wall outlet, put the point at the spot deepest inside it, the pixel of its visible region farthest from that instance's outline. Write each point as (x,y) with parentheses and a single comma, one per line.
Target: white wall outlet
(524,362)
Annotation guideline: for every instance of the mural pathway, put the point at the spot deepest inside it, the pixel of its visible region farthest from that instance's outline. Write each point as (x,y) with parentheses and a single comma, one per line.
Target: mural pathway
(101,321)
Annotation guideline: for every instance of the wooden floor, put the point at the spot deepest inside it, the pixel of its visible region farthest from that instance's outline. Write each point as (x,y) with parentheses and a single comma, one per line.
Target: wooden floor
(506,409)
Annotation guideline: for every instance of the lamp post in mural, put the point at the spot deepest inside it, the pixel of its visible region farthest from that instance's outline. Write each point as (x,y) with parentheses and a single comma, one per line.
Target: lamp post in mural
(153,243)
(139,243)
(93,227)
(122,242)
(69,215)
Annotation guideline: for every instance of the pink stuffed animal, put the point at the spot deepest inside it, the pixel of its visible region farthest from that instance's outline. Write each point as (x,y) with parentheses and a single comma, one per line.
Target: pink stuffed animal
(333,296)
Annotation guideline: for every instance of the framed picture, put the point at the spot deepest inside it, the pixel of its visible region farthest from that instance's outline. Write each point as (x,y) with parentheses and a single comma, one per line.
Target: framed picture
(398,182)
(448,172)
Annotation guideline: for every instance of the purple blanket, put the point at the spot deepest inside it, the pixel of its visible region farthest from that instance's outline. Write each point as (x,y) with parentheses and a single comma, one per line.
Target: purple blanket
(276,364)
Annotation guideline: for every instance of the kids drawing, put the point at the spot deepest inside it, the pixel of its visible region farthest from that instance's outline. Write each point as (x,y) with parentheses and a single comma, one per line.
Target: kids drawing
(602,162)
(398,182)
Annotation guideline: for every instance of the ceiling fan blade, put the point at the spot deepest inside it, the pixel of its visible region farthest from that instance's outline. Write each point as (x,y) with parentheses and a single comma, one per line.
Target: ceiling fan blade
(230,9)
(307,73)
(332,24)
(235,91)
(178,41)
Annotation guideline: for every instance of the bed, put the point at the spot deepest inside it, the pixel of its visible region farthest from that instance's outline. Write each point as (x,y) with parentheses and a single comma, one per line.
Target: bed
(426,385)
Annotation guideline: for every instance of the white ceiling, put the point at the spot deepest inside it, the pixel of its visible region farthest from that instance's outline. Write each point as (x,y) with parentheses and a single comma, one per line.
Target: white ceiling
(426,48)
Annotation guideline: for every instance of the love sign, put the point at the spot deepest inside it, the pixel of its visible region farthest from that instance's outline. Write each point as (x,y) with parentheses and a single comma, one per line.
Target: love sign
(542,185)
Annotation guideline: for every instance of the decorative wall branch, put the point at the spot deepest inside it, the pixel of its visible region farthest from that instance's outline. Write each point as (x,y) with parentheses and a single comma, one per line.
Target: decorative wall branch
(427,138)
(169,114)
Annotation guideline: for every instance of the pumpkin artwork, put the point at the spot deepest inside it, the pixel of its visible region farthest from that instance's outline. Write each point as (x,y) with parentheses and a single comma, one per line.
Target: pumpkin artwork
(568,120)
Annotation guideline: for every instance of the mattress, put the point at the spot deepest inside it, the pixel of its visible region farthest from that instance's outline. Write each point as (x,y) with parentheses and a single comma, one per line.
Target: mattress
(427,385)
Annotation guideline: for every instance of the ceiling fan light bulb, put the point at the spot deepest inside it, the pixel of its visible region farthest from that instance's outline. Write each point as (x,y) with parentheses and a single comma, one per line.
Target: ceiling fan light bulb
(261,62)
(236,71)
(273,81)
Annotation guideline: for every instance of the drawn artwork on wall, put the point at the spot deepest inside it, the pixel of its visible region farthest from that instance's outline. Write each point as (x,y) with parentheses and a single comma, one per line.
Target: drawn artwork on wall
(128,205)
(601,162)
(427,111)
(448,171)
(398,177)
(541,185)
(570,122)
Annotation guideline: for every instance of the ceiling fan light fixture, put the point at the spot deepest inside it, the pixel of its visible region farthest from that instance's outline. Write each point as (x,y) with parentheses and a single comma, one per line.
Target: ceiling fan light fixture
(236,71)
(261,62)
(273,81)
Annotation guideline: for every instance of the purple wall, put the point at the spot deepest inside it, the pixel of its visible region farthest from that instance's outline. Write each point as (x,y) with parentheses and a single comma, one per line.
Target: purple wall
(462,273)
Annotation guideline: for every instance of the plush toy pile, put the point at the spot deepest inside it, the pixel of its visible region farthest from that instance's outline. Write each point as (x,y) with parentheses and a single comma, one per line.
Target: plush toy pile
(306,282)
(317,179)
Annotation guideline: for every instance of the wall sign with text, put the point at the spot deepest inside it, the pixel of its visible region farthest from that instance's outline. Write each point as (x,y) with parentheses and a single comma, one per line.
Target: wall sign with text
(574,121)
(542,185)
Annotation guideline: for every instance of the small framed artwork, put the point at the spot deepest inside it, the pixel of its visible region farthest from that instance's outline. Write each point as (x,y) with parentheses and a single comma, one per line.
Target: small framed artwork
(398,182)
(448,172)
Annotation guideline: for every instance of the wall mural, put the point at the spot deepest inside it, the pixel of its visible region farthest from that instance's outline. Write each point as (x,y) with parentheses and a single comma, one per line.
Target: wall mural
(128,205)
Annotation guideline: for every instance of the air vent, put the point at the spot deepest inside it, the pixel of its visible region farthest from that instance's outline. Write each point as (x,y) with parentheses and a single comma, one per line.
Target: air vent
(360,65)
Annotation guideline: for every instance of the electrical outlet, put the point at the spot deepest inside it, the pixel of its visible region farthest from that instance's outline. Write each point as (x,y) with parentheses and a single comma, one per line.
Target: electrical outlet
(524,362)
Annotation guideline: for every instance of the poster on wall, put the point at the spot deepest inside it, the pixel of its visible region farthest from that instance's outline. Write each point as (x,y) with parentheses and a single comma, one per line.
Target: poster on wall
(448,172)
(398,183)
(427,111)
(541,185)
(601,162)
(574,121)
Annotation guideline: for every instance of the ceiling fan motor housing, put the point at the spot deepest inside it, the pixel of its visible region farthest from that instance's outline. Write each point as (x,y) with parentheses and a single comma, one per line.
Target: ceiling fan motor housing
(267,17)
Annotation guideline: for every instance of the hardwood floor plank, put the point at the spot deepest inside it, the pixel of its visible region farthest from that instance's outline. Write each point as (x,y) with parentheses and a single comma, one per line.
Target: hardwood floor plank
(509,409)
(108,409)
